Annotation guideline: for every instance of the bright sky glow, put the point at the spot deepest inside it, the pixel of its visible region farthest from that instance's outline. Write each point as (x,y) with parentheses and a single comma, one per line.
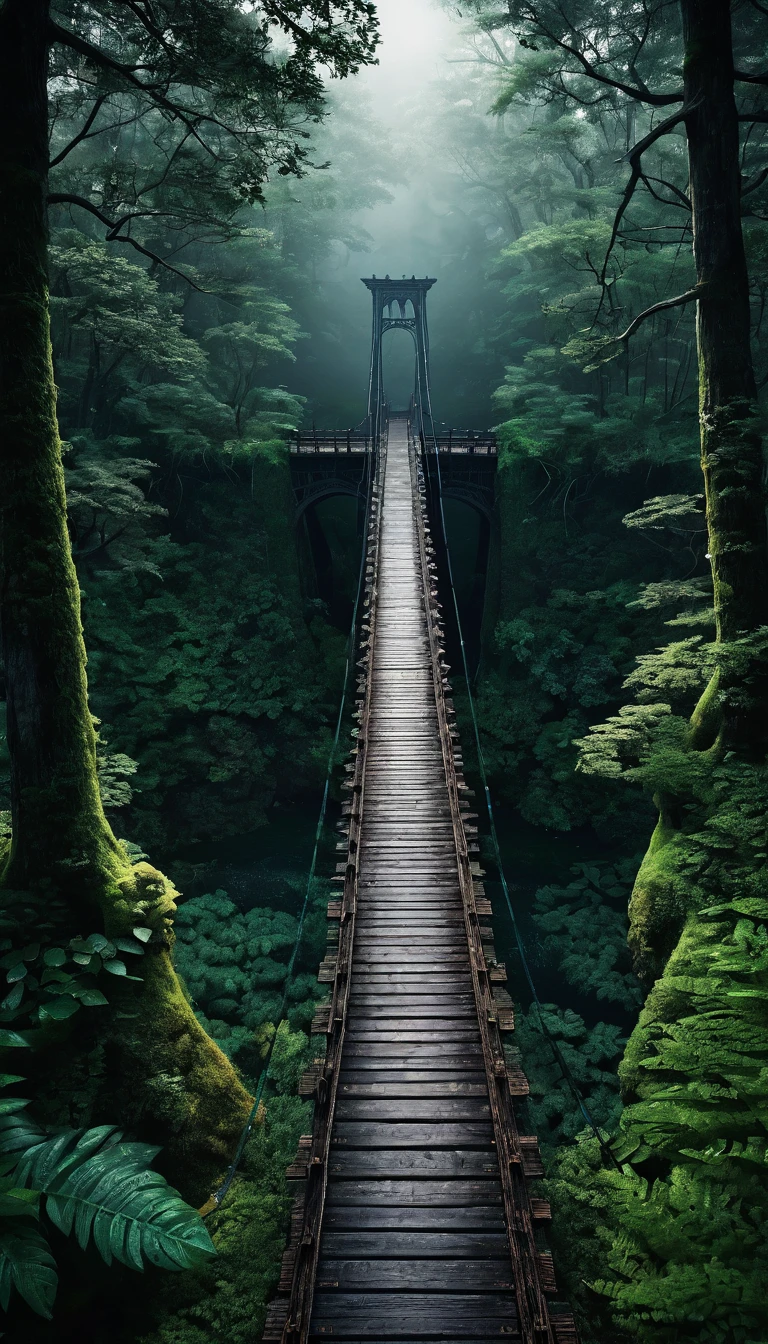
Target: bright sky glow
(415,35)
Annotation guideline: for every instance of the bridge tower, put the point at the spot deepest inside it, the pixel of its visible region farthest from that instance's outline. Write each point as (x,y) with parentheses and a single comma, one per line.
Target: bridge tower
(391,300)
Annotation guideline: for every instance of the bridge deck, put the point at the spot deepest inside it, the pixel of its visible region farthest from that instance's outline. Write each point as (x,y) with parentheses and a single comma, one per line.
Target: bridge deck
(413,1238)
(416,1220)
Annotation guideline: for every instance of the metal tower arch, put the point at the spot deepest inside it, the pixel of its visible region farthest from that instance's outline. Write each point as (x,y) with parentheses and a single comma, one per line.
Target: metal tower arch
(390,312)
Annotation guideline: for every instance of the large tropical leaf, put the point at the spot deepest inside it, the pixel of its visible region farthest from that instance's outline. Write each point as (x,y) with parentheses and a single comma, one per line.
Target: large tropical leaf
(26,1264)
(18,1133)
(96,1184)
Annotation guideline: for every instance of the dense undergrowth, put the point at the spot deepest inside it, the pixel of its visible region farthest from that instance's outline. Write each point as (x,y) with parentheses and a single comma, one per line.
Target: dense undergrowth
(200,630)
(214,668)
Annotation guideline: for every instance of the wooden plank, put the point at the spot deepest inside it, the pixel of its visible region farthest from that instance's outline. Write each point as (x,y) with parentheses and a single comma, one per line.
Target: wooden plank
(401,1084)
(406,1005)
(428,1275)
(504,1333)
(434,1050)
(365,1000)
(428,1191)
(433,1133)
(415,1032)
(439,1316)
(420,1244)
(414,961)
(385,1164)
(456,980)
(406,944)
(460,1219)
(410,920)
(412,1108)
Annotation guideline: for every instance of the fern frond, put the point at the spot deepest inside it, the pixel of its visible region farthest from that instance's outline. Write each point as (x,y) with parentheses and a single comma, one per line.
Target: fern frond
(100,1186)
(27,1265)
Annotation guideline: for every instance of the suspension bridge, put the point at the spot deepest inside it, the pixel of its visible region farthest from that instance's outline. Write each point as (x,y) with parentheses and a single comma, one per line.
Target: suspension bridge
(416,1217)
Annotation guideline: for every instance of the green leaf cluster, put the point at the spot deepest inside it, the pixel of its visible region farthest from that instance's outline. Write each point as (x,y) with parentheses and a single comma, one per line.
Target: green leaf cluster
(226,1299)
(94,1185)
(49,983)
(235,965)
(584,930)
(208,666)
(591,1055)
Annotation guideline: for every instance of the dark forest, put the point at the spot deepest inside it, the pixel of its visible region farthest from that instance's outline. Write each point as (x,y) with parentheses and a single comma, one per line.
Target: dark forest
(190,193)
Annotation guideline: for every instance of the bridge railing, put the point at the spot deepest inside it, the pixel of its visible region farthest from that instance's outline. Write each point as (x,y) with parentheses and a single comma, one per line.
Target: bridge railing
(348,441)
(470,441)
(467,441)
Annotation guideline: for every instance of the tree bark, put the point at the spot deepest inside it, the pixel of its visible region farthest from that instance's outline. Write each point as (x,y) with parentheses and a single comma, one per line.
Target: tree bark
(731,714)
(731,449)
(51,740)
(166,1074)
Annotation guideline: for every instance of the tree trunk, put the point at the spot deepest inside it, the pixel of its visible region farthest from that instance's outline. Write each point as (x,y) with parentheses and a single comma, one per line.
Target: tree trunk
(169,1075)
(732,714)
(731,447)
(59,829)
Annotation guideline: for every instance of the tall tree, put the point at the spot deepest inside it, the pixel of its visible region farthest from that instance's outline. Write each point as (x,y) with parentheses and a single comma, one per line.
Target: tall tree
(626,55)
(207,72)
(678,1251)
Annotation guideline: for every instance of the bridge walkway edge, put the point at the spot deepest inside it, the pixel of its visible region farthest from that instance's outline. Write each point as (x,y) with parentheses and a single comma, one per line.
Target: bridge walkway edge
(416,1220)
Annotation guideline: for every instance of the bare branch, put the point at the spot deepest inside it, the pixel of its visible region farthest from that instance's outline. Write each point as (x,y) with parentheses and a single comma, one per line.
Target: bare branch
(684,201)
(641,94)
(100,58)
(757,181)
(761,77)
(82,134)
(690,296)
(114,236)
(146,19)
(503,58)
(287,23)
(635,159)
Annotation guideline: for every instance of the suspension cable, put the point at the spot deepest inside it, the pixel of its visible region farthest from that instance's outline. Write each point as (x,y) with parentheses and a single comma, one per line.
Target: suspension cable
(219,1195)
(545,1031)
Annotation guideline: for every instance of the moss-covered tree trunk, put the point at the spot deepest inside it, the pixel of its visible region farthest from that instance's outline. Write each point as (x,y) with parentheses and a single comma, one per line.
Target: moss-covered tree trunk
(59,831)
(732,715)
(731,448)
(163,1069)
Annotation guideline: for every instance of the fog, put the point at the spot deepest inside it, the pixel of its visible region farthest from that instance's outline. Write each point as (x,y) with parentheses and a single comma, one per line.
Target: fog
(424,228)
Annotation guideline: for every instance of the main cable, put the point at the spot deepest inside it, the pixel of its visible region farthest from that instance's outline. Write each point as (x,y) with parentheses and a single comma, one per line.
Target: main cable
(557,1052)
(219,1195)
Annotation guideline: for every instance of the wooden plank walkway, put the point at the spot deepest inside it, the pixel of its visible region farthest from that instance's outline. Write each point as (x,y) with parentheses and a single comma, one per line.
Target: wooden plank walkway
(416,1224)
(413,1241)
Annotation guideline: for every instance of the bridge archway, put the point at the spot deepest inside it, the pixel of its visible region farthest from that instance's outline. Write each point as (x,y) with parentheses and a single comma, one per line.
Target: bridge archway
(399,354)
(328,489)
(392,300)
(331,528)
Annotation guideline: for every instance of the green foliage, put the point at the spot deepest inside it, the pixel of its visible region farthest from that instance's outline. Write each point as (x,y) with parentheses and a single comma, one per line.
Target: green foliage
(235,965)
(683,1256)
(584,928)
(689,1261)
(555,662)
(50,984)
(225,1302)
(591,1055)
(180,511)
(94,1185)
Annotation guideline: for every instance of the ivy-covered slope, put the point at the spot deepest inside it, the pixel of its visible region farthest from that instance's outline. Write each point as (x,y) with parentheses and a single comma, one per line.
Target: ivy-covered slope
(676,1241)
